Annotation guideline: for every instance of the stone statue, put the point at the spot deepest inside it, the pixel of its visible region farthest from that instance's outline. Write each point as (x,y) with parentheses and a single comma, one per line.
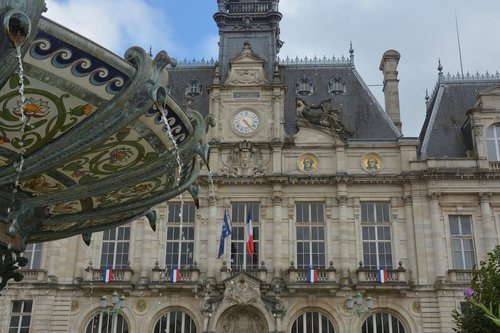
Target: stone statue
(322,116)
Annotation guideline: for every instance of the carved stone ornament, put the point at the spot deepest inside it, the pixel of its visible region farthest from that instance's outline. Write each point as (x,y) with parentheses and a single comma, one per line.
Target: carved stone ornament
(415,308)
(242,320)
(244,160)
(140,307)
(75,306)
(246,69)
(322,117)
(242,291)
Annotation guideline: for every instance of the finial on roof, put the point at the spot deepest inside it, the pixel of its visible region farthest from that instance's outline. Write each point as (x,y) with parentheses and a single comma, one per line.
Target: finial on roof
(150,51)
(247,49)
(440,67)
(426,96)
(351,50)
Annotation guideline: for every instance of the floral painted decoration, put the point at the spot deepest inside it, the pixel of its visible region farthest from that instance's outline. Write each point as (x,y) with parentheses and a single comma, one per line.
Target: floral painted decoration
(35,108)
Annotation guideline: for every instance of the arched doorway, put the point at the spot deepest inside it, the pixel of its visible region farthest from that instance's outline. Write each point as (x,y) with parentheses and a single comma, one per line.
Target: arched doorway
(242,319)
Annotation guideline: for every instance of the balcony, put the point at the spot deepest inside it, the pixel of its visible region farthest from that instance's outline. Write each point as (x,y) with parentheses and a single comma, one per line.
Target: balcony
(369,276)
(299,275)
(258,273)
(460,276)
(248,8)
(119,276)
(34,275)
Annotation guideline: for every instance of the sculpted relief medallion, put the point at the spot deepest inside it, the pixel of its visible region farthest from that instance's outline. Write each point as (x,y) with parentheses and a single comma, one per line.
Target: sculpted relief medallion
(308,163)
(372,163)
(245,159)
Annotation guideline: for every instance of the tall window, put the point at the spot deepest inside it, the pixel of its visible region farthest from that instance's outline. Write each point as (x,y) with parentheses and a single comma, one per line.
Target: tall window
(240,259)
(382,323)
(20,317)
(33,253)
(104,323)
(115,247)
(312,322)
(493,142)
(180,239)
(175,322)
(462,244)
(310,220)
(376,230)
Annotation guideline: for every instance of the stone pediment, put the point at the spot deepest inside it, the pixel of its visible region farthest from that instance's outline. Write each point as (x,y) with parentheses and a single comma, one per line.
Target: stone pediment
(242,289)
(246,69)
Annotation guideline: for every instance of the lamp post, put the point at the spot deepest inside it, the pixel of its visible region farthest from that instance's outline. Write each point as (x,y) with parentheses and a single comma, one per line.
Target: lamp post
(113,309)
(355,304)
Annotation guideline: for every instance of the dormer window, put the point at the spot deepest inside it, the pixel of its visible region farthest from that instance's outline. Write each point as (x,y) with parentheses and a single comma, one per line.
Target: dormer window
(193,88)
(304,87)
(493,142)
(336,86)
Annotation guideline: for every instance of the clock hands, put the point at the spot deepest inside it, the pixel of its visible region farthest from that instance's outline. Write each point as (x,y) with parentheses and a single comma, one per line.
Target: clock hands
(246,122)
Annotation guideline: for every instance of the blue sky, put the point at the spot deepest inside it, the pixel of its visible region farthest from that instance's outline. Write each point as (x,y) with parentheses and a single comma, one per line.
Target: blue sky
(422,31)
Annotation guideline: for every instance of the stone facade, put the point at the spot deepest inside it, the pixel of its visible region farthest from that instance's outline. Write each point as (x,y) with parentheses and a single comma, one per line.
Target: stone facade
(260,155)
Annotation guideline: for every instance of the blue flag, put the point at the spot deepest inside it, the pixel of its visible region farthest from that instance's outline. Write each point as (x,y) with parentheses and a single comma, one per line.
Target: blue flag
(226,231)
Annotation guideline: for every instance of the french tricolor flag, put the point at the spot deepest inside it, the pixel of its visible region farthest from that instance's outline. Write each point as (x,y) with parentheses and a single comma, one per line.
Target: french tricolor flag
(175,275)
(107,275)
(382,275)
(249,234)
(312,275)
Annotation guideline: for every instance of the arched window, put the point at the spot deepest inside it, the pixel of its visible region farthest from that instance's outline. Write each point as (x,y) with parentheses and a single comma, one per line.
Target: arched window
(312,322)
(383,322)
(175,322)
(493,142)
(104,323)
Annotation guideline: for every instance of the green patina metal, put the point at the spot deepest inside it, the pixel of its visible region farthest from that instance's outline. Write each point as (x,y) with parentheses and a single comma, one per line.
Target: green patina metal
(96,153)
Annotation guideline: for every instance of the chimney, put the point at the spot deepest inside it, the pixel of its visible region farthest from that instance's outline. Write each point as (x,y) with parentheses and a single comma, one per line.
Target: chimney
(388,66)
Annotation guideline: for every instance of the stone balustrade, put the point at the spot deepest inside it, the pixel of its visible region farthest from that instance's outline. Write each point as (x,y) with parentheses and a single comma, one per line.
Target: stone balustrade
(34,275)
(460,276)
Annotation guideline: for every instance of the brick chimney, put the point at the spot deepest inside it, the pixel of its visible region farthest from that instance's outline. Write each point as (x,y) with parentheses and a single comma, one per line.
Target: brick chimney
(388,66)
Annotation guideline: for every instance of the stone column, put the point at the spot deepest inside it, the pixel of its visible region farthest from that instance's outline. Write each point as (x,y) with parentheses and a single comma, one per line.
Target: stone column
(146,251)
(410,239)
(489,234)
(343,239)
(277,232)
(276,136)
(212,236)
(437,237)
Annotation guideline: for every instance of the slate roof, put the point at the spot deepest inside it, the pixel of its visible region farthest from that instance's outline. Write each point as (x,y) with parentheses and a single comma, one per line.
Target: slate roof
(358,109)
(444,134)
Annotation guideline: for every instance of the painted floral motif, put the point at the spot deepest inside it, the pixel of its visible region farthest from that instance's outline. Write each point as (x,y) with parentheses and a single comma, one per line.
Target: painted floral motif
(35,108)
(78,174)
(4,139)
(39,184)
(81,110)
(120,155)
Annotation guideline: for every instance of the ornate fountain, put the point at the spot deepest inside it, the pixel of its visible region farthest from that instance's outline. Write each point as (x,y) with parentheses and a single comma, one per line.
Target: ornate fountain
(86,138)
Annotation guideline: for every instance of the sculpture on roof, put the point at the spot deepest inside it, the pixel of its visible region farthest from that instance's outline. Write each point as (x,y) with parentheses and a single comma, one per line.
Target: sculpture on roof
(321,116)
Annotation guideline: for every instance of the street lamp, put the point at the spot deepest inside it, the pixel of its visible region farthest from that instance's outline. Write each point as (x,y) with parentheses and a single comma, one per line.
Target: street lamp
(113,309)
(355,305)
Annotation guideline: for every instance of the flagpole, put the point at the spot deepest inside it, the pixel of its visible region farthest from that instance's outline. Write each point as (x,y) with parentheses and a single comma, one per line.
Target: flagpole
(180,233)
(245,238)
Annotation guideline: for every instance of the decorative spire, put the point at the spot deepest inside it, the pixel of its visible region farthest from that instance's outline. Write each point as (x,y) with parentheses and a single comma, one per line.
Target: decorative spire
(426,96)
(150,51)
(351,50)
(440,67)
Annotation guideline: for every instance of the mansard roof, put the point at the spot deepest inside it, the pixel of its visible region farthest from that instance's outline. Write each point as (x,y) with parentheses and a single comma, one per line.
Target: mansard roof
(445,132)
(359,110)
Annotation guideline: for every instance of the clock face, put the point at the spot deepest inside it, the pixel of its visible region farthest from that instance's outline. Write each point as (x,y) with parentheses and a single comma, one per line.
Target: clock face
(246,122)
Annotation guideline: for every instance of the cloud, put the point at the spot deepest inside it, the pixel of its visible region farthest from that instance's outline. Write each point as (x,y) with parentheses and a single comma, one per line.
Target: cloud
(114,25)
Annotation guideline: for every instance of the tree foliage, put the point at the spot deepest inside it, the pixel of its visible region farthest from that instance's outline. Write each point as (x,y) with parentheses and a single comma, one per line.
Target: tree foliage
(486,291)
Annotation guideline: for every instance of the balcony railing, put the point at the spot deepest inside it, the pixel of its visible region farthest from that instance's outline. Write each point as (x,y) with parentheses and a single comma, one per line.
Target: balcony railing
(121,275)
(495,166)
(369,276)
(189,275)
(248,8)
(33,275)
(299,275)
(460,276)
